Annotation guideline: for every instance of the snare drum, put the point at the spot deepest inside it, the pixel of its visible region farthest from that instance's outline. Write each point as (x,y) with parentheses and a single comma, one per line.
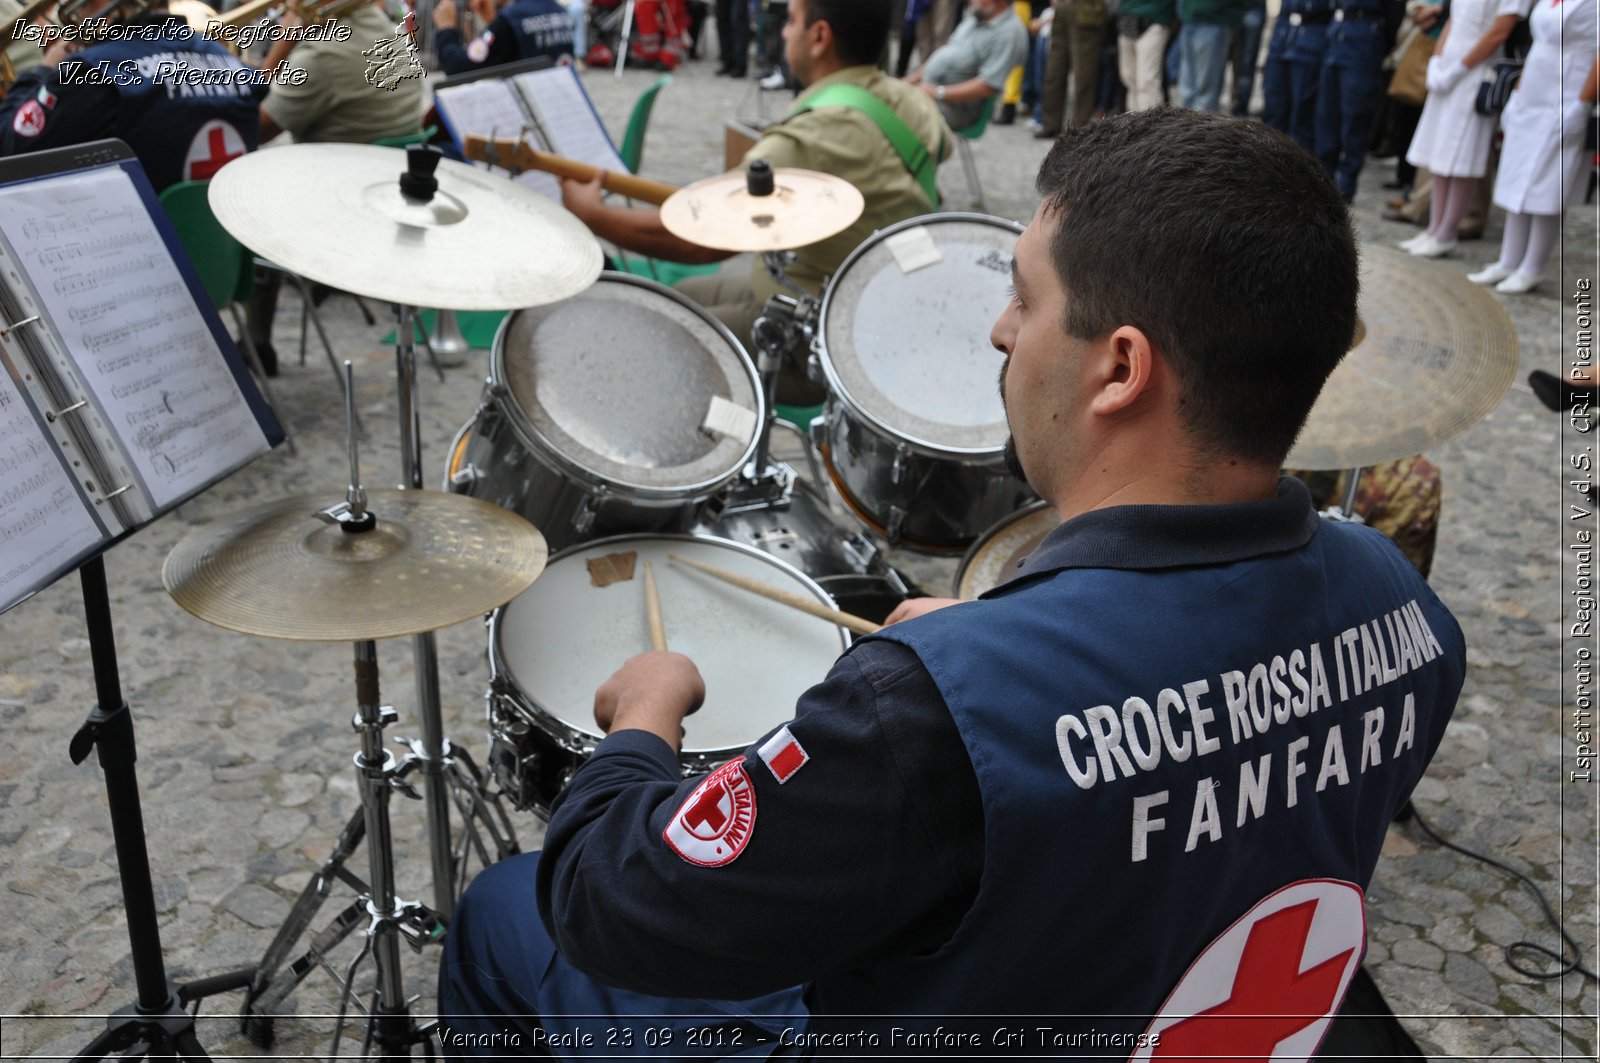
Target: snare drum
(550,647)
(621,410)
(993,558)
(914,432)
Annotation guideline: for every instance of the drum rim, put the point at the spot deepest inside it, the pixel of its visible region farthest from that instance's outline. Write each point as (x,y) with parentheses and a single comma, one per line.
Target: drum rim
(989,535)
(498,389)
(502,683)
(836,389)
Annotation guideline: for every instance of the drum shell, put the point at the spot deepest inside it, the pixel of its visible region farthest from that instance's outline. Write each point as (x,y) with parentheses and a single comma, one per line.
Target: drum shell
(503,457)
(910,496)
(503,468)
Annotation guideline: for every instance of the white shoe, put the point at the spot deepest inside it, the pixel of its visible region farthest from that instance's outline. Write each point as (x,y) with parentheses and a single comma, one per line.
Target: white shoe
(774,81)
(1407,245)
(1431,247)
(1493,273)
(1518,283)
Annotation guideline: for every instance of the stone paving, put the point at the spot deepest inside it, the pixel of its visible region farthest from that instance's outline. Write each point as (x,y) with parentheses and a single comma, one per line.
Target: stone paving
(245,747)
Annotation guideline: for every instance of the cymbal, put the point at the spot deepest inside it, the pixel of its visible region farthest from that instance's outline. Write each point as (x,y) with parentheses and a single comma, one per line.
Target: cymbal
(993,558)
(334,213)
(434,559)
(804,207)
(1433,355)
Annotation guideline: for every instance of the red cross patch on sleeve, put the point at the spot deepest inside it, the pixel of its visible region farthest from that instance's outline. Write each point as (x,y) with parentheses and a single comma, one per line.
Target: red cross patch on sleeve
(29,121)
(783,755)
(714,823)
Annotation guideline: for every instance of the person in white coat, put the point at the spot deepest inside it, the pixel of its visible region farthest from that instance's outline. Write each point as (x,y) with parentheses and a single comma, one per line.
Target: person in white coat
(1542,162)
(1453,139)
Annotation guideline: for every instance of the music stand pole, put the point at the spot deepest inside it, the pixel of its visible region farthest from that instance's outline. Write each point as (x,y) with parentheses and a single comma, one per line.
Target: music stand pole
(158,1018)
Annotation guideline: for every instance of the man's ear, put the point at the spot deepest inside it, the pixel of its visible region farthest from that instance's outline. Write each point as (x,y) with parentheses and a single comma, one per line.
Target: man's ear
(1125,368)
(820,36)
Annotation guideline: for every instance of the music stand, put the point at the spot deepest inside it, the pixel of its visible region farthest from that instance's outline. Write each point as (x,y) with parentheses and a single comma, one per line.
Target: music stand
(76,224)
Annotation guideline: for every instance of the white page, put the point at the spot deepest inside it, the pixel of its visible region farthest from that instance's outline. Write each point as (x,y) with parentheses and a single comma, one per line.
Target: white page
(115,297)
(569,120)
(489,108)
(44,523)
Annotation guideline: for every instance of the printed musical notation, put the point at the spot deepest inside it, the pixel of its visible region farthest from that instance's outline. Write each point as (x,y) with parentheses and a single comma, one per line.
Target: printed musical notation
(568,119)
(44,523)
(116,299)
(491,107)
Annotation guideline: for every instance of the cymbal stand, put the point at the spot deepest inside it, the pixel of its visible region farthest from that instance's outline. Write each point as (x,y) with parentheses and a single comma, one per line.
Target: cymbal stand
(419,924)
(442,766)
(1347,502)
(158,1021)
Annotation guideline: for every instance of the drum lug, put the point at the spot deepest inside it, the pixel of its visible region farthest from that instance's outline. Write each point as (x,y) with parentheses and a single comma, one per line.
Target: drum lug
(814,366)
(583,518)
(465,476)
(902,454)
(897,518)
(861,551)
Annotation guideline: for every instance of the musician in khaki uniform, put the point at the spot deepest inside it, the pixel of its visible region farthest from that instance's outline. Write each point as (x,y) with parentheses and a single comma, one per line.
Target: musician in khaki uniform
(828,43)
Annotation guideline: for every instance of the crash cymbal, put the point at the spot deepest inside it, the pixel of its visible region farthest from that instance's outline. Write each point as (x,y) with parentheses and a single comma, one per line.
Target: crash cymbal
(434,559)
(1433,355)
(723,213)
(334,213)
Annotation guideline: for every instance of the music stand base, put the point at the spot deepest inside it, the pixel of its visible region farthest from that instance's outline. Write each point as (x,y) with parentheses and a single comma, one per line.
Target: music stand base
(165,1034)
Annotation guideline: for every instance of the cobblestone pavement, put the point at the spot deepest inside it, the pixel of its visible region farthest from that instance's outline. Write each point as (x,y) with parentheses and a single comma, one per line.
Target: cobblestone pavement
(245,747)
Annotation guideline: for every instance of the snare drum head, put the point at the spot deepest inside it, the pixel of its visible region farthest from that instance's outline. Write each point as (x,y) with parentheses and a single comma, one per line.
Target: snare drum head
(905,327)
(561,639)
(619,381)
(993,558)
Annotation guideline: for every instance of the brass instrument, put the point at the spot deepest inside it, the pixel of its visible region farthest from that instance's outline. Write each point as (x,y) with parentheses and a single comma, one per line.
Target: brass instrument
(310,12)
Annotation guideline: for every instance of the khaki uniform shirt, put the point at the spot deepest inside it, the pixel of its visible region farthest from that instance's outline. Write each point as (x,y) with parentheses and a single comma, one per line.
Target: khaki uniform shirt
(335,103)
(844,142)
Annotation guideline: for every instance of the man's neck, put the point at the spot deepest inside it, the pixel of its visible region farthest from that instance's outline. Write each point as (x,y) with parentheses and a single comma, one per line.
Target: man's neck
(1171,478)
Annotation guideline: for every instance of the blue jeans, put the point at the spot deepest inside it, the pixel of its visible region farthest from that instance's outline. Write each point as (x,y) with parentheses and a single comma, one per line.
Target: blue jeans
(1351,87)
(1033,74)
(1246,50)
(505,990)
(1289,80)
(1202,57)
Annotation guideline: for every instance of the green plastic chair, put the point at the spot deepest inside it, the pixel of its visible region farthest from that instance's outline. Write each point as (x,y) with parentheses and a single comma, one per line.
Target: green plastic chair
(224,265)
(965,136)
(632,154)
(421,136)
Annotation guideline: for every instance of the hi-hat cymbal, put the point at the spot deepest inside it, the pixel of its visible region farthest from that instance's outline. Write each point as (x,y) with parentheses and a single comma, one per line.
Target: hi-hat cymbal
(804,207)
(334,213)
(1433,355)
(434,559)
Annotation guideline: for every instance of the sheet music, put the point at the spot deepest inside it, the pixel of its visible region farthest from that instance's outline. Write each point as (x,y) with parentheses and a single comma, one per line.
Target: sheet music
(44,523)
(489,107)
(568,119)
(123,311)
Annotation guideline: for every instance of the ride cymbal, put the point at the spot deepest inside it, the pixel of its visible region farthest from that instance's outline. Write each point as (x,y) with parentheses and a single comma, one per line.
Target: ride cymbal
(433,559)
(729,213)
(334,213)
(1433,355)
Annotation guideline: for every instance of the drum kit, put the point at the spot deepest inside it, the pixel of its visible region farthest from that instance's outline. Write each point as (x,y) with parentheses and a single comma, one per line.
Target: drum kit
(630,432)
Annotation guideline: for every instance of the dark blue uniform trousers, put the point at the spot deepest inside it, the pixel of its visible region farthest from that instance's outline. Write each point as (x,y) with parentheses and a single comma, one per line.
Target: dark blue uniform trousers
(1347,98)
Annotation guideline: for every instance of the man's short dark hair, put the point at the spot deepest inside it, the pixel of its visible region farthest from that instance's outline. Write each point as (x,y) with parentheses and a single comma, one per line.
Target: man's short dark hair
(860,27)
(1227,245)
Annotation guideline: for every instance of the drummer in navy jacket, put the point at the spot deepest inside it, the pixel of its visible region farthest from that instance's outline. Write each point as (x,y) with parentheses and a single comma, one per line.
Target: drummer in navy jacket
(1141,787)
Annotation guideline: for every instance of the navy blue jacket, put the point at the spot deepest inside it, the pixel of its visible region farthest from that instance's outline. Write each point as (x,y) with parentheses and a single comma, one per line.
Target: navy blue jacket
(1054,801)
(153,93)
(523,29)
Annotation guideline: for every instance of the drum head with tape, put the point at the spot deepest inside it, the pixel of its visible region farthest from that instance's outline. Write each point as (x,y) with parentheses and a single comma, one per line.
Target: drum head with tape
(562,638)
(634,385)
(905,326)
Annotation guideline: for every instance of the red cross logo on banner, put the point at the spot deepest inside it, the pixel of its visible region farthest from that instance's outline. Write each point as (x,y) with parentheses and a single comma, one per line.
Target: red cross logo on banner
(1268,986)
(214,146)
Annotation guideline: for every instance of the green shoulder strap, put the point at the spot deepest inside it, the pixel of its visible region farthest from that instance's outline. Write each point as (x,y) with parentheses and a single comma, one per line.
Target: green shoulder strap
(913,153)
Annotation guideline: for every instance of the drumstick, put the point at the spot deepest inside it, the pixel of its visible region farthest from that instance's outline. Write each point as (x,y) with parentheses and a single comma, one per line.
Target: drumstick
(782,597)
(652,608)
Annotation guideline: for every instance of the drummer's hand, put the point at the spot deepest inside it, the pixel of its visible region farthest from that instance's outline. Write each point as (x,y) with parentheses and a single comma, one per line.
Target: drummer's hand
(651,692)
(583,198)
(444,15)
(912,608)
